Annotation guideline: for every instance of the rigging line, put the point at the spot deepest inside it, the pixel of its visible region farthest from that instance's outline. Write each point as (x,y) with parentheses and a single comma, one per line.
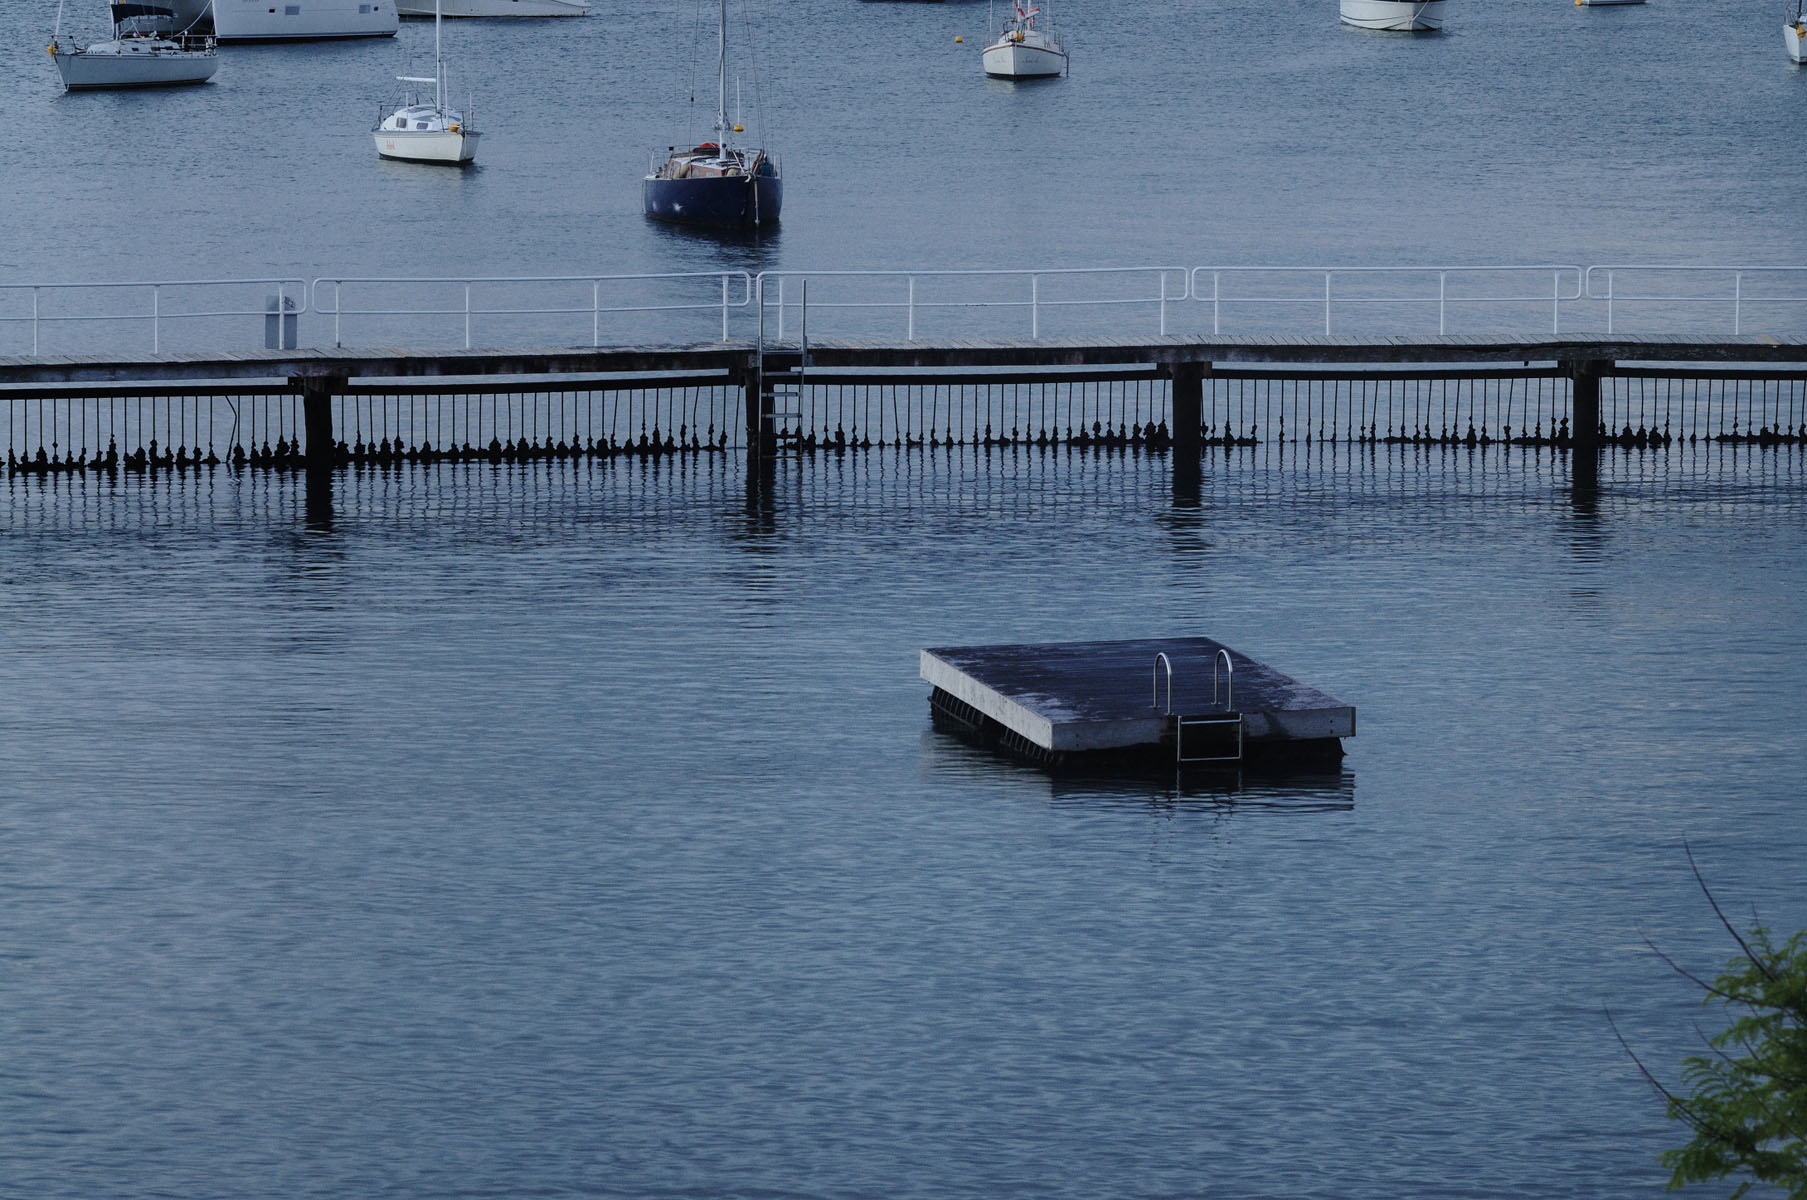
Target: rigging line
(746,17)
(696,35)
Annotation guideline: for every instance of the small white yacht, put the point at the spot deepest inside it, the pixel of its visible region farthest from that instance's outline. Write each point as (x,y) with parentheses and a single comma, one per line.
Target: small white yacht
(302,20)
(423,132)
(497,8)
(1406,16)
(1794,32)
(142,52)
(1024,51)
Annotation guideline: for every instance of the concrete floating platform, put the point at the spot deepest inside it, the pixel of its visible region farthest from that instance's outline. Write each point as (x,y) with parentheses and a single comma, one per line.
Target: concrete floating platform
(1093,700)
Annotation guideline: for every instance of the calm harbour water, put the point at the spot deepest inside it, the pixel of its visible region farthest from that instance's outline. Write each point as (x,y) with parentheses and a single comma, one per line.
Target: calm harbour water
(580,831)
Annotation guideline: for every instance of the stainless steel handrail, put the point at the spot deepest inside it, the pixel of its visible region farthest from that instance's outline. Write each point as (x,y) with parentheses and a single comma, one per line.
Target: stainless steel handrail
(468,310)
(1161,660)
(909,305)
(155,313)
(1229,694)
(1737,299)
(1556,296)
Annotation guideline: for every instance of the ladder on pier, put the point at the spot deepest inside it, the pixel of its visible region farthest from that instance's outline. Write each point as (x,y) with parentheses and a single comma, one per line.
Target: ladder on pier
(1213,737)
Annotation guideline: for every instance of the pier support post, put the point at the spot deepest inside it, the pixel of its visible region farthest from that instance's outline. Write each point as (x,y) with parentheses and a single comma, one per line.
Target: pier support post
(317,392)
(1584,425)
(752,390)
(1186,382)
(1584,422)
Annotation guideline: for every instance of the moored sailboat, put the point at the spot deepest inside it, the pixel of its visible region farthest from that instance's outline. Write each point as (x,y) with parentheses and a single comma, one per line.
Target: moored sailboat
(715,183)
(1024,51)
(144,51)
(1404,16)
(1794,32)
(422,132)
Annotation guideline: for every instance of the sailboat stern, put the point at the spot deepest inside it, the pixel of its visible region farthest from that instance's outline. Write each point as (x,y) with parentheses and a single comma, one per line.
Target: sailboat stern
(740,201)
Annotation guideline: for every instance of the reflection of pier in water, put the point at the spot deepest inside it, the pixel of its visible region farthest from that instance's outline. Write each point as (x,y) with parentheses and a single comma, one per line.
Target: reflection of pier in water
(1197,402)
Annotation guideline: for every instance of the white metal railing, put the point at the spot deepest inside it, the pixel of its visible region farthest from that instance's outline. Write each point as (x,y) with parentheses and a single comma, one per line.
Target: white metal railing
(1149,287)
(1356,287)
(157,303)
(471,297)
(1115,301)
(1603,283)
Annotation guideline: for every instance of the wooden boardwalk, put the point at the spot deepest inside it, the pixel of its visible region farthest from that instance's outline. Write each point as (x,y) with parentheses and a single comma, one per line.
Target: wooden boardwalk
(741,356)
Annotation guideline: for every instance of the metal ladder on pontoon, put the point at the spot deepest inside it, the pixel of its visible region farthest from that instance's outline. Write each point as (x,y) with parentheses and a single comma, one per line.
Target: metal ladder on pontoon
(786,425)
(1216,735)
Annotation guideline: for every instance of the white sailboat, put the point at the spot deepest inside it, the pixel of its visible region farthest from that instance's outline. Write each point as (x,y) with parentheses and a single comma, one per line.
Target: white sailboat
(1794,32)
(422,132)
(1404,16)
(1024,51)
(144,51)
(497,8)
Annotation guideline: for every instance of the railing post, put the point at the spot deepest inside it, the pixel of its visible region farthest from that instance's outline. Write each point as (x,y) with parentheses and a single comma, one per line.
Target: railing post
(1216,303)
(1442,302)
(1035,309)
(34,321)
(1556,301)
(1163,301)
(595,312)
(467,316)
(1326,303)
(910,333)
(724,306)
(156,319)
(1737,303)
(1609,300)
(781,308)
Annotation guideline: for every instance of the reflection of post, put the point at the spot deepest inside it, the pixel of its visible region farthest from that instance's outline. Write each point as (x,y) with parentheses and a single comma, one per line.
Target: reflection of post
(1187,385)
(317,392)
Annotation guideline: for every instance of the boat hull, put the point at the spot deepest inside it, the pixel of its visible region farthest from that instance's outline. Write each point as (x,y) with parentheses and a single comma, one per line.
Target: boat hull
(496,8)
(446,147)
(302,20)
(1794,38)
(1023,60)
(1404,16)
(737,202)
(92,71)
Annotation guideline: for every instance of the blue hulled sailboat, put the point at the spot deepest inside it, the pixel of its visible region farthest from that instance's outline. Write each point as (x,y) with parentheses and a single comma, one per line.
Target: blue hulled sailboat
(716,183)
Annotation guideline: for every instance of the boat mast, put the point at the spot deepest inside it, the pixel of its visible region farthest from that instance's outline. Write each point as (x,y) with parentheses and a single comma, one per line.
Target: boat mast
(721,69)
(438,64)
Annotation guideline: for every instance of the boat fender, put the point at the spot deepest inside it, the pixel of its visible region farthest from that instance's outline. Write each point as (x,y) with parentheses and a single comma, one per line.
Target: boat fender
(452,128)
(53,49)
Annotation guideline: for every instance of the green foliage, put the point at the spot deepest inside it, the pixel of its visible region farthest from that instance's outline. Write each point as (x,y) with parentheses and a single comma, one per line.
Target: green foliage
(1748,1107)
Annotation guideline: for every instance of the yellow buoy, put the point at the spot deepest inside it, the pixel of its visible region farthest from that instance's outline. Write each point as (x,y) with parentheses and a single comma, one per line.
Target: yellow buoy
(740,129)
(958,38)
